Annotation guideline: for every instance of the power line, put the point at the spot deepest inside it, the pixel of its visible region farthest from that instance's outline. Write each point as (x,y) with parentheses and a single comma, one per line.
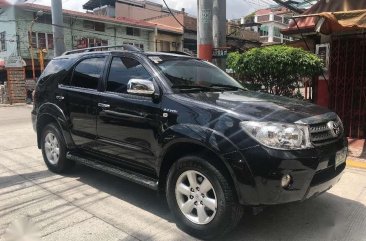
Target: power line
(173,14)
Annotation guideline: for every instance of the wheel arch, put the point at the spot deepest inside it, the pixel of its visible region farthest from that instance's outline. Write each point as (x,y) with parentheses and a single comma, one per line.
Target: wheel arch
(221,152)
(51,113)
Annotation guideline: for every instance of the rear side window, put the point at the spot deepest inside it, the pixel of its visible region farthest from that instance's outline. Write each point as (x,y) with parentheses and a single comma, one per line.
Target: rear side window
(122,70)
(55,66)
(87,73)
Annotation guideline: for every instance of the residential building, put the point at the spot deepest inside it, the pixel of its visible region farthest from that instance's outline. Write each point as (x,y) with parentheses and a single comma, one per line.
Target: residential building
(135,9)
(272,20)
(336,33)
(81,30)
(238,36)
(241,37)
(168,35)
(174,33)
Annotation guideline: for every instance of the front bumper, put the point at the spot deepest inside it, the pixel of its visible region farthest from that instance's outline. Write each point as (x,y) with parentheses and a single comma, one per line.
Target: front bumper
(313,171)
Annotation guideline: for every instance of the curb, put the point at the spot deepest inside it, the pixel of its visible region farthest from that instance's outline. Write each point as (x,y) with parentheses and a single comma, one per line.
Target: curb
(15,105)
(356,164)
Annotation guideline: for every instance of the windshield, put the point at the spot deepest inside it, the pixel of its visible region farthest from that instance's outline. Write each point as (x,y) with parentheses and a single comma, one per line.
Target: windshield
(189,73)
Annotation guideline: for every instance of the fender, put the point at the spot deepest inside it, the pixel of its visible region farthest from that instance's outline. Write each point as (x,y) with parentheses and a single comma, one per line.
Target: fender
(217,143)
(52,110)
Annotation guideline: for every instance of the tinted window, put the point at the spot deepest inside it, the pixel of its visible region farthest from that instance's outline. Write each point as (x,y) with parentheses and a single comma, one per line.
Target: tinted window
(56,66)
(122,70)
(88,72)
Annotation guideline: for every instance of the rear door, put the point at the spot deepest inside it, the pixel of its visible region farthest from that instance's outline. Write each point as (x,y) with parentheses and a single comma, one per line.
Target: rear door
(79,97)
(127,124)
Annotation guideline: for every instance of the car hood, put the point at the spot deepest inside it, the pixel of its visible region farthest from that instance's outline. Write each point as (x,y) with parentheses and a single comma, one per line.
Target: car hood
(250,105)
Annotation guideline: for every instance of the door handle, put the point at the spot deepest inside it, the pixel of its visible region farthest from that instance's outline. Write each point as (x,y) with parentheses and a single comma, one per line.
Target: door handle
(104,106)
(60,97)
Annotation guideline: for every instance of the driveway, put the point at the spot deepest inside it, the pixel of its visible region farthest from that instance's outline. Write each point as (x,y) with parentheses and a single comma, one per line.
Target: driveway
(91,205)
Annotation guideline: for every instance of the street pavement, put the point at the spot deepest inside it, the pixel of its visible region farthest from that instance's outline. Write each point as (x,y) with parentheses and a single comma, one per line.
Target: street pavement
(90,205)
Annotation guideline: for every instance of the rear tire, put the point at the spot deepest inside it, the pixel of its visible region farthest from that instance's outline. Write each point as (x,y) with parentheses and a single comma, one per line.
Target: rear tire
(201,198)
(54,150)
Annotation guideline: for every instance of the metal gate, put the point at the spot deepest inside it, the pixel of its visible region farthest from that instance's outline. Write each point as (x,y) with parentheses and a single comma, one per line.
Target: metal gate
(347,82)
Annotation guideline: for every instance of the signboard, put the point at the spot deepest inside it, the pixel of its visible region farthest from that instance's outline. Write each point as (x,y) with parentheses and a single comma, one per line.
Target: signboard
(323,52)
(219,53)
(206,15)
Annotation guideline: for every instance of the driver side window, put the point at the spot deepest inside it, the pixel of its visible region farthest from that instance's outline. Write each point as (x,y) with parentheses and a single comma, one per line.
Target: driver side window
(122,70)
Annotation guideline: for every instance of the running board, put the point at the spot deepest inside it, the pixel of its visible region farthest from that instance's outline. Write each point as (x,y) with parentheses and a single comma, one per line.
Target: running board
(116,171)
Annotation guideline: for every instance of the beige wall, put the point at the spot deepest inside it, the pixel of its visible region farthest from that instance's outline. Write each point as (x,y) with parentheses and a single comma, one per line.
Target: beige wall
(169,20)
(128,11)
(168,42)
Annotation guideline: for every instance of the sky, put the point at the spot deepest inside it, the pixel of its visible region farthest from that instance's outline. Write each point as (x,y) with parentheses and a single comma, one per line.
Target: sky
(235,8)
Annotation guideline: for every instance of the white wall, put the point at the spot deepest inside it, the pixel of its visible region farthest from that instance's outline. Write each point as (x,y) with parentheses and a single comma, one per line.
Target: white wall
(8,24)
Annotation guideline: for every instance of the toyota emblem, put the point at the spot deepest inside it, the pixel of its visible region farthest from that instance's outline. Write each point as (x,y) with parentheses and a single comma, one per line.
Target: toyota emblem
(335,128)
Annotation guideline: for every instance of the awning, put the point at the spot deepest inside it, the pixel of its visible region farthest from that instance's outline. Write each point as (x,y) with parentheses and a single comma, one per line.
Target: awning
(328,22)
(329,16)
(342,21)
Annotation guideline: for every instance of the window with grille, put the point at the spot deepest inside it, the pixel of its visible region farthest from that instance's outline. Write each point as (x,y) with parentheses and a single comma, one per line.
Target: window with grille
(90,42)
(263,18)
(263,31)
(50,40)
(41,40)
(277,18)
(3,41)
(96,26)
(277,32)
(133,31)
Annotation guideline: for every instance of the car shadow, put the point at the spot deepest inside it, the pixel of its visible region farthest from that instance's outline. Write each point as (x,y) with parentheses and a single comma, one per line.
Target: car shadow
(327,217)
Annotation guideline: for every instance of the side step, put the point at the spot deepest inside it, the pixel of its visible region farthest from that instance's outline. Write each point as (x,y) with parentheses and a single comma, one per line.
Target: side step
(116,171)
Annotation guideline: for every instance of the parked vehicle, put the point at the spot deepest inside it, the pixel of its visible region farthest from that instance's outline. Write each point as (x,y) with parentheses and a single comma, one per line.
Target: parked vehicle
(182,126)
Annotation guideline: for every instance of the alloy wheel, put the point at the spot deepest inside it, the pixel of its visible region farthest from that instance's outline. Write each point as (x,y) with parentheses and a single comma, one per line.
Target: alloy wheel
(196,197)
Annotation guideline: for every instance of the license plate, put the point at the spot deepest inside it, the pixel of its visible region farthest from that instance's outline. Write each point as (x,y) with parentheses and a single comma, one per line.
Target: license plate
(340,157)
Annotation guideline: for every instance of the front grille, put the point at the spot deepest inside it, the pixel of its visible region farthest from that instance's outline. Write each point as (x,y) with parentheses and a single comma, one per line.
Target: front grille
(321,134)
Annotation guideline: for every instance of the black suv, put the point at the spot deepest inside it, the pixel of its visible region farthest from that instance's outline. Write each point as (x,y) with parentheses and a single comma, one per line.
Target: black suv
(182,126)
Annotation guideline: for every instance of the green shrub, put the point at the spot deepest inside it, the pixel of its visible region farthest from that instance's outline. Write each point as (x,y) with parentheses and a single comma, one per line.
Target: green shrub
(278,68)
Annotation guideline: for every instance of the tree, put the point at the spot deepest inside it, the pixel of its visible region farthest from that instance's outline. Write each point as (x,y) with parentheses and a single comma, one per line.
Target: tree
(278,68)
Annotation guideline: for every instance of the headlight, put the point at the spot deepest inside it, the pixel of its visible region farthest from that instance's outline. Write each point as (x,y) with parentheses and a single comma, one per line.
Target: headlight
(278,135)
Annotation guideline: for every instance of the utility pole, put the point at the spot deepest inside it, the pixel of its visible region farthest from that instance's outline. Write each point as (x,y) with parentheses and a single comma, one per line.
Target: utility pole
(204,29)
(219,29)
(57,27)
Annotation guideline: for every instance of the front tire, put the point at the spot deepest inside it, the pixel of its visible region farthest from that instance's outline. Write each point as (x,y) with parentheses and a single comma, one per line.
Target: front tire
(201,198)
(54,150)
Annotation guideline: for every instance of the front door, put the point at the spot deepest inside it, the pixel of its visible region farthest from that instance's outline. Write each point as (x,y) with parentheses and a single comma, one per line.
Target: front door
(127,124)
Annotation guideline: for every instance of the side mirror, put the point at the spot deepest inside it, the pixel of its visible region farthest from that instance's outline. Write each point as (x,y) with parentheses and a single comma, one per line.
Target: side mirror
(140,87)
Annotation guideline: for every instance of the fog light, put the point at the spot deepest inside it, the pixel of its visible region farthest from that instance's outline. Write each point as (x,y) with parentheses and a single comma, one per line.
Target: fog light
(286,181)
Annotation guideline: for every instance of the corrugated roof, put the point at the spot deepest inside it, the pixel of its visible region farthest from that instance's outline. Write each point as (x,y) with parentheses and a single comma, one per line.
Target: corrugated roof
(124,21)
(324,6)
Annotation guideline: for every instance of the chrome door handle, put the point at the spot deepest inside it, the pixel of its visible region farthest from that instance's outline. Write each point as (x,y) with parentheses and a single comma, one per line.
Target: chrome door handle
(104,106)
(60,97)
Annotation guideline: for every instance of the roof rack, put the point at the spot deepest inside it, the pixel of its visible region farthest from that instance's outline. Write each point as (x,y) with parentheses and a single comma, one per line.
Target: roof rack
(124,47)
(178,52)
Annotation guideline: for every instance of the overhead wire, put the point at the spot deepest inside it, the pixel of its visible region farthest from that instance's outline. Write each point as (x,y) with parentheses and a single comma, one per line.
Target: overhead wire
(173,15)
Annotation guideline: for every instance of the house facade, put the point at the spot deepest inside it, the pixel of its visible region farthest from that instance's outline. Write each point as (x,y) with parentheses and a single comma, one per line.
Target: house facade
(168,35)
(272,21)
(81,30)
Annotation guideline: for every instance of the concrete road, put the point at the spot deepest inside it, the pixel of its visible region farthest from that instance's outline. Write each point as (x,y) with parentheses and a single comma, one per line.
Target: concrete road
(91,205)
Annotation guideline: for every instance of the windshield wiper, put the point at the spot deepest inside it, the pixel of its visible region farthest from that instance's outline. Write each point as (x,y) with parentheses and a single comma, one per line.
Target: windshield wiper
(222,86)
(193,87)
